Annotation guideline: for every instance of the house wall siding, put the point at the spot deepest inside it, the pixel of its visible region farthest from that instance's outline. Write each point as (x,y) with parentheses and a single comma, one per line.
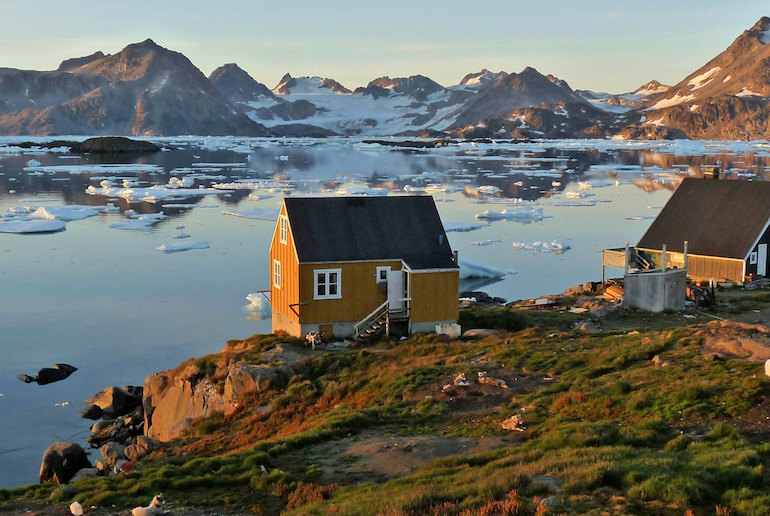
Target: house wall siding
(700,268)
(764,239)
(280,299)
(360,292)
(434,296)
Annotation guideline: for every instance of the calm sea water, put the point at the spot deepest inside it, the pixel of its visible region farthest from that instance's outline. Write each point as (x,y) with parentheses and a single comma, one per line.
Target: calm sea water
(106,301)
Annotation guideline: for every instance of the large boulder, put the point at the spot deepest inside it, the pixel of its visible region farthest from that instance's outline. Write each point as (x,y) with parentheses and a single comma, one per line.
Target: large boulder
(143,446)
(112,452)
(115,402)
(61,461)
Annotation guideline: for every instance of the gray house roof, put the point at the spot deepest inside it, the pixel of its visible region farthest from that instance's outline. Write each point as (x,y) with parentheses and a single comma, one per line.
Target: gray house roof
(717,217)
(342,229)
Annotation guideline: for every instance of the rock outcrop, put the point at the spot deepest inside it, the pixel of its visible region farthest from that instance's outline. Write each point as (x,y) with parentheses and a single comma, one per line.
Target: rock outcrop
(174,399)
(61,461)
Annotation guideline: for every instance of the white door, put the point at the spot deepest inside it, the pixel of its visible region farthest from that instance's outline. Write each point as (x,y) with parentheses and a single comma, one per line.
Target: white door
(762,260)
(396,290)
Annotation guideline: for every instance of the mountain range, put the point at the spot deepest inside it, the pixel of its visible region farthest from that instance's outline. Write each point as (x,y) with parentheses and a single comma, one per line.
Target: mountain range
(147,90)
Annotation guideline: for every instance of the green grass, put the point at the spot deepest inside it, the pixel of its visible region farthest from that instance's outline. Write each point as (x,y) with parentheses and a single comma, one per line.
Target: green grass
(612,429)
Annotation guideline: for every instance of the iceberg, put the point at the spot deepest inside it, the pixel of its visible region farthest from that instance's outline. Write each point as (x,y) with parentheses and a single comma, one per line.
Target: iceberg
(473,269)
(182,246)
(556,246)
(259,307)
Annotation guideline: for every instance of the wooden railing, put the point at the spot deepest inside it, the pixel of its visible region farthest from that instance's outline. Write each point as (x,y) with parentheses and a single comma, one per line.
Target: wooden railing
(373,316)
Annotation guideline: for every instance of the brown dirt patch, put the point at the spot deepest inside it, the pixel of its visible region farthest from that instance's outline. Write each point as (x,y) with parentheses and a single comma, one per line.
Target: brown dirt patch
(397,456)
(734,339)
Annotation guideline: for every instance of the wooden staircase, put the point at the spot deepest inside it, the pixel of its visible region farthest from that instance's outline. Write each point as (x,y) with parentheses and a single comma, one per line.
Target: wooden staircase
(379,322)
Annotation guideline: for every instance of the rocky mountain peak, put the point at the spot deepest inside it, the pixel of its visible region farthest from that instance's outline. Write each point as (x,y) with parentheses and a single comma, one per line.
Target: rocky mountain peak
(236,85)
(76,62)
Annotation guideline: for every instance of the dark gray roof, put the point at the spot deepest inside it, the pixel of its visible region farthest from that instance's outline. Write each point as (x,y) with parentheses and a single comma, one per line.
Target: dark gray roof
(717,218)
(341,229)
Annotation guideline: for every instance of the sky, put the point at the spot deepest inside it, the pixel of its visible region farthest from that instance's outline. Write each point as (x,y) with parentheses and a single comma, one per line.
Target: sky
(612,46)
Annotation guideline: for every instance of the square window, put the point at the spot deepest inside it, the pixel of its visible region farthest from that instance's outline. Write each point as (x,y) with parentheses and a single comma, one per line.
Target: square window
(382,274)
(328,283)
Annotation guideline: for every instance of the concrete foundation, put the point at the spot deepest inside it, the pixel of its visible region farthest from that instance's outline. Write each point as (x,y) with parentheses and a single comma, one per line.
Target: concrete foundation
(655,290)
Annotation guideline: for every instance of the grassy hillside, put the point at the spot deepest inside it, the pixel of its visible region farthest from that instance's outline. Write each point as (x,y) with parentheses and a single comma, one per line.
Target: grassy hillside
(383,430)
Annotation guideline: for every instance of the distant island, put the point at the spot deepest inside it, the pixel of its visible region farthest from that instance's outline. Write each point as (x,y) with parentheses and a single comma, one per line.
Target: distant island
(148,90)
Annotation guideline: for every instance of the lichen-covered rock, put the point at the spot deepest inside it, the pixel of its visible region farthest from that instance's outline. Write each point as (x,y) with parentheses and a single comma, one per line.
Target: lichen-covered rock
(61,461)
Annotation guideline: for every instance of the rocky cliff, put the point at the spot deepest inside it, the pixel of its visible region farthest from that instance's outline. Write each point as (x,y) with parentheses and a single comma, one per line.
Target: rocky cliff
(199,388)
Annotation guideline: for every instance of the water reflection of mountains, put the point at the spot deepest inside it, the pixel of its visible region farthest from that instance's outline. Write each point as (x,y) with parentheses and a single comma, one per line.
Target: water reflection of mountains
(517,174)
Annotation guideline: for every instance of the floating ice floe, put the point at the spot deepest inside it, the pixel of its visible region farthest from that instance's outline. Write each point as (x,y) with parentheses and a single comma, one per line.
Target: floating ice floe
(189,206)
(138,222)
(258,307)
(38,199)
(462,226)
(182,235)
(473,269)
(182,246)
(577,195)
(260,197)
(362,190)
(32,226)
(587,185)
(556,246)
(65,213)
(151,194)
(488,241)
(94,169)
(517,213)
(185,182)
(255,213)
(640,217)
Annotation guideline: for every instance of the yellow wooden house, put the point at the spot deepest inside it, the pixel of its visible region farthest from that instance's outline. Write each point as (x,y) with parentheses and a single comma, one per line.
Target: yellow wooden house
(355,266)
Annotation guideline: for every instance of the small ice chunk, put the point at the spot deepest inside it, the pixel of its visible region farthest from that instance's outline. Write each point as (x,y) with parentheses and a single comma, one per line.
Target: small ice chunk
(255,213)
(462,226)
(518,213)
(182,235)
(640,217)
(488,241)
(182,246)
(33,163)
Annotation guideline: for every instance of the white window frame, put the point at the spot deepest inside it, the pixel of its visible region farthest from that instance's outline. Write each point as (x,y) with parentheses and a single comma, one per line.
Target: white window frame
(326,272)
(753,258)
(277,274)
(379,270)
(283,229)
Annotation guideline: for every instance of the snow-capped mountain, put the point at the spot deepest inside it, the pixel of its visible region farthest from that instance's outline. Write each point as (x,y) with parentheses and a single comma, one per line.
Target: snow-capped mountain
(623,102)
(725,98)
(146,89)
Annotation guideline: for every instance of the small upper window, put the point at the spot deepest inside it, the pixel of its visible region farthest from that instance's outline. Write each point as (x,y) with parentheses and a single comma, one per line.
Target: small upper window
(382,274)
(277,274)
(753,258)
(327,284)
(283,222)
